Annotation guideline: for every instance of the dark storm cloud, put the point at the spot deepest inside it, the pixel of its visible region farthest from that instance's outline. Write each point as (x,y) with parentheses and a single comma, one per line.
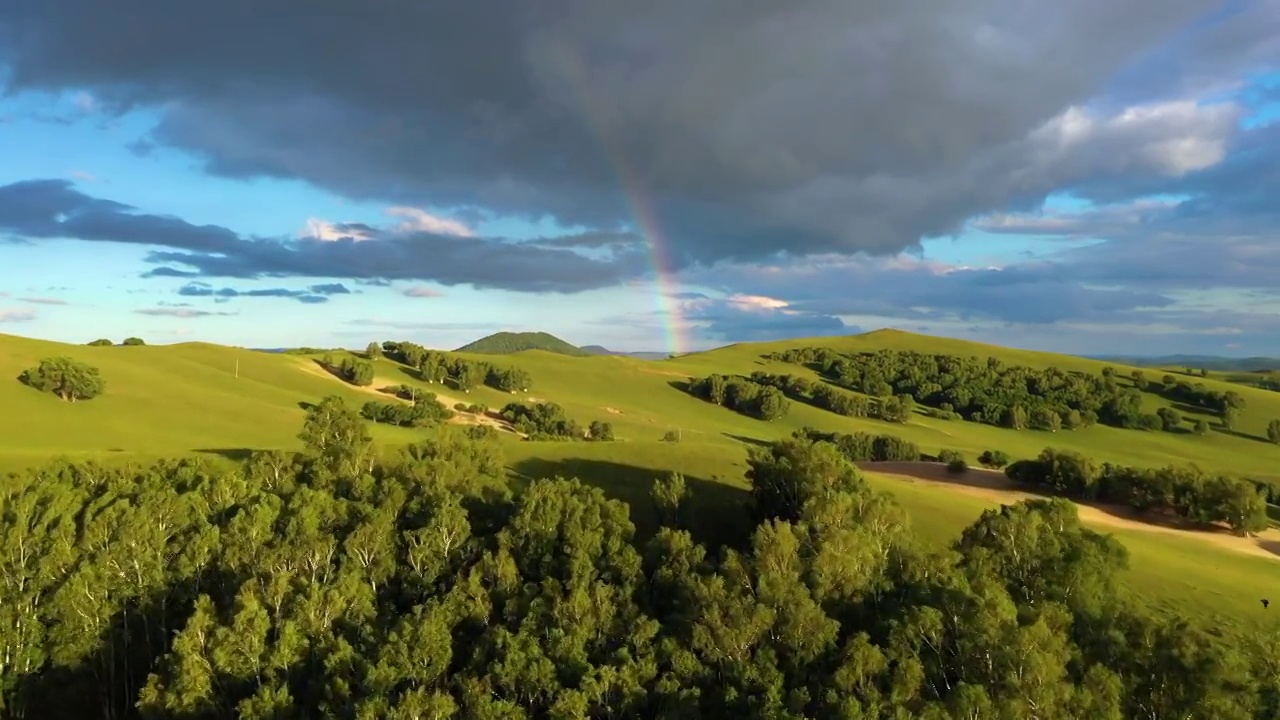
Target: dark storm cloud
(742,128)
(1032,293)
(48,209)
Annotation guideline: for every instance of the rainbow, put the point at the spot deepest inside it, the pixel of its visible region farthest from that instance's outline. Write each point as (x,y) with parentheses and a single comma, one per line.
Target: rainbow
(644,217)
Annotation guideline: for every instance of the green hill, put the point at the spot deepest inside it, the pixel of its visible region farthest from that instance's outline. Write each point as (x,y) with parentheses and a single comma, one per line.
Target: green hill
(506,343)
(187,398)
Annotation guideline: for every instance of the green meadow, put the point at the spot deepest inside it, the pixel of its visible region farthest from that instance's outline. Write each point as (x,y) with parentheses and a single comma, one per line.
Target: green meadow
(195,398)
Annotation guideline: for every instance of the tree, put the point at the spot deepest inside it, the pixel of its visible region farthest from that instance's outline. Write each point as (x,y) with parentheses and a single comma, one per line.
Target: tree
(133,341)
(69,379)
(356,372)
(1230,416)
(993,458)
(334,432)
(669,496)
(101,342)
(1202,427)
(1170,419)
(373,352)
(599,430)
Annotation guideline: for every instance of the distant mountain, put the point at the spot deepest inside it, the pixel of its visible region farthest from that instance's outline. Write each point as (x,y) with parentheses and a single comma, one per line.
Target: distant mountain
(505,343)
(641,355)
(1208,362)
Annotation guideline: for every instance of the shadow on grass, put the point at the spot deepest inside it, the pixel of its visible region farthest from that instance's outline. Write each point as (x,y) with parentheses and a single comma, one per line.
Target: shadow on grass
(1271,546)
(1242,436)
(331,369)
(681,385)
(718,514)
(749,440)
(308,406)
(233,454)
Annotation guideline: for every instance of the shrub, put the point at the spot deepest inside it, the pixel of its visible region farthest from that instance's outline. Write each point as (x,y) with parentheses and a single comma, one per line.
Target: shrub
(101,342)
(133,341)
(957,466)
(671,436)
(994,459)
(949,456)
(601,431)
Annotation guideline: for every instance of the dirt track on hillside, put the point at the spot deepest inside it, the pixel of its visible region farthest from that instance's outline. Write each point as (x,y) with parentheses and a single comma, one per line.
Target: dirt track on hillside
(993,485)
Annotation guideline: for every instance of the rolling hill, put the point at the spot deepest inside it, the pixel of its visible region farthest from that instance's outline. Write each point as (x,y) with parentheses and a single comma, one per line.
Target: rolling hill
(188,398)
(505,343)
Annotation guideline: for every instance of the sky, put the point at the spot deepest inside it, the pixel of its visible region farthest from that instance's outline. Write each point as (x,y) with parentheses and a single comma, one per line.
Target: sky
(1090,178)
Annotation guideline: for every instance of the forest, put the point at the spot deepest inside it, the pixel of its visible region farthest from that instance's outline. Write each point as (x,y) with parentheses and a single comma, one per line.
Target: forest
(1014,396)
(352,581)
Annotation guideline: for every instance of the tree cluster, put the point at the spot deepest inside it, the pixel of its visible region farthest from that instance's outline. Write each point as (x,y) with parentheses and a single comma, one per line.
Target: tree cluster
(1269,383)
(355,371)
(1183,492)
(828,397)
(100,342)
(741,395)
(542,421)
(334,584)
(434,366)
(69,379)
(986,390)
(425,410)
(863,447)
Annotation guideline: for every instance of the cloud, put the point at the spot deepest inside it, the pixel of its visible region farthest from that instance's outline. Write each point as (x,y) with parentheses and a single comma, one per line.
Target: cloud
(746,318)
(51,209)
(181,312)
(415,220)
(14,315)
(311,295)
(595,114)
(1034,292)
(422,292)
(42,300)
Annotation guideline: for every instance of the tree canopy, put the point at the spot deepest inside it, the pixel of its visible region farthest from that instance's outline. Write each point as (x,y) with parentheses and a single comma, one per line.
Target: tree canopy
(69,379)
(342,582)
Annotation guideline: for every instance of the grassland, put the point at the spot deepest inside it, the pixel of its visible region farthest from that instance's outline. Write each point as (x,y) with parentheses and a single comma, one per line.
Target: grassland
(187,398)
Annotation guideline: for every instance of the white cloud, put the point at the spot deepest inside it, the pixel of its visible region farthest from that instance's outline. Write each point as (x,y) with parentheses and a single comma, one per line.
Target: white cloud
(415,220)
(331,231)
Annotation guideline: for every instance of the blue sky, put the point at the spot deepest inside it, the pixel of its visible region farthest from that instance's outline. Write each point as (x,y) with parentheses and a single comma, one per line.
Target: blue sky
(1093,182)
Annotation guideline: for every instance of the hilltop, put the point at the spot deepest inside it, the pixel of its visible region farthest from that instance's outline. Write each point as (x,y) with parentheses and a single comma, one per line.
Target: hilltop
(506,343)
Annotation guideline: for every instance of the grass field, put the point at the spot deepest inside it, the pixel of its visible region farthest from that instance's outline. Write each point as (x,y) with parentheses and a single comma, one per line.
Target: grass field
(187,398)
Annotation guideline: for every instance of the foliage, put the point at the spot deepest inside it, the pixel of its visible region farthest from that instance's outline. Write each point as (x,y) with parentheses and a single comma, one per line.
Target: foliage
(69,379)
(541,421)
(434,366)
(1184,492)
(994,459)
(748,397)
(1013,396)
(425,410)
(957,466)
(133,341)
(311,586)
(504,343)
(948,455)
(356,372)
(600,430)
(100,342)
(1273,431)
(862,447)
(373,351)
